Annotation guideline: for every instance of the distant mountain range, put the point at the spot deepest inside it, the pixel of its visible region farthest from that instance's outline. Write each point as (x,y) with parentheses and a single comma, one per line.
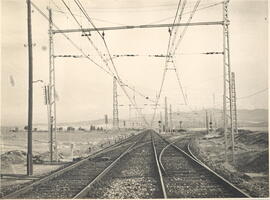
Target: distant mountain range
(252,118)
(195,119)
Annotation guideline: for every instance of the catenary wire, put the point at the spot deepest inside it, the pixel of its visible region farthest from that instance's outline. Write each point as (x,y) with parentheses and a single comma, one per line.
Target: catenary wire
(112,62)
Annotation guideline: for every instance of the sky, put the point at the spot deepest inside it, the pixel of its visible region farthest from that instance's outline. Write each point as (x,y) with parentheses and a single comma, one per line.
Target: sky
(85,91)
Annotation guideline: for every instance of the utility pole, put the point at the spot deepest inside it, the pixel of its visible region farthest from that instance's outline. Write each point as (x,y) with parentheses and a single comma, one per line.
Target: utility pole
(129,115)
(106,121)
(115,105)
(166,115)
(234,116)
(30,92)
(135,113)
(124,124)
(227,103)
(161,117)
(171,125)
(52,95)
(214,112)
(206,122)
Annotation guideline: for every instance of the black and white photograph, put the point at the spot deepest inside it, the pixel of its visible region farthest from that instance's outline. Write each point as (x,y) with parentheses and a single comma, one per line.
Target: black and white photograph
(134,99)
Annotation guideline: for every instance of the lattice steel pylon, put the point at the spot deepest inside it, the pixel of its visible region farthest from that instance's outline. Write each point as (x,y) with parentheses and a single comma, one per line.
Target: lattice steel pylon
(52,96)
(227,92)
(115,105)
(234,114)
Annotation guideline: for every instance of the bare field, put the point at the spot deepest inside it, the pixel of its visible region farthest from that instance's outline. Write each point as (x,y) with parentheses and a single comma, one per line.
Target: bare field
(18,140)
(14,147)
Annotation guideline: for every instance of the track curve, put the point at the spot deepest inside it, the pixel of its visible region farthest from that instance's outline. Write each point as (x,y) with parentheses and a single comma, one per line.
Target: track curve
(187,178)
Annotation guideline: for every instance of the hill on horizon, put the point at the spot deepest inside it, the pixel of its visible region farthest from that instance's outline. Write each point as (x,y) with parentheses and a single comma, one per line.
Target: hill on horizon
(255,117)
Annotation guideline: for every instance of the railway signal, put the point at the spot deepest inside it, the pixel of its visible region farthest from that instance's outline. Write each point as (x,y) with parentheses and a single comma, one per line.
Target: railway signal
(159,126)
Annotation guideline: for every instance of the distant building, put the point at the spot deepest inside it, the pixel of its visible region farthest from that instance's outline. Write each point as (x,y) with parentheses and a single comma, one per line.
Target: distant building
(81,129)
(60,129)
(70,128)
(15,129)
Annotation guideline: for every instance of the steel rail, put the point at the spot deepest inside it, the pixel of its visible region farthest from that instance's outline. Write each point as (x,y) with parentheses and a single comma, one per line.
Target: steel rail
(140,145)
(136,27)
(225,180)
(86,189)
(228,183)
(159,170)
(190,152)
(160,156)
(68,168)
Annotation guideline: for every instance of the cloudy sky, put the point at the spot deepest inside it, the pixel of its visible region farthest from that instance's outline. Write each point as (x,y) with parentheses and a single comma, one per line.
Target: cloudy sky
(85,91)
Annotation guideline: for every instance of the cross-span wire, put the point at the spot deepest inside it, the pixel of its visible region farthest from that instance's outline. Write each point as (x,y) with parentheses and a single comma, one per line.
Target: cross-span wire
(253,94)
(185,29)
(112,62)
(71,41)
(168,53)
(75,45)
(185,13)
(89,39)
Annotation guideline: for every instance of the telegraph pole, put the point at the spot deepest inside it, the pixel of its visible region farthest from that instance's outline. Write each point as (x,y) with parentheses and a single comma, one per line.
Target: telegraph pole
(129,115)
(206,122)
(115,105)
(135,113)
(166,115)
(214,112)
(171,125)
(106,122)
(50,129)
(30,92)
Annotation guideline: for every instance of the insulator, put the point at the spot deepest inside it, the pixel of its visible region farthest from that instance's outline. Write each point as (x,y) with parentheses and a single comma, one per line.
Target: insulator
(170,32)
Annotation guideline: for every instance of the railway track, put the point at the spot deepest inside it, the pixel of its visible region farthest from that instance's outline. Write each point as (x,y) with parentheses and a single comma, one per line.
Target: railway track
(143,166)
(185,177)
(68,182)
(135,175)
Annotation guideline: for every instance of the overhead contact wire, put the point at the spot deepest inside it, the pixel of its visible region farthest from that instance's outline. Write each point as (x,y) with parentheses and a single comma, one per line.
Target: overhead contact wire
(116,72)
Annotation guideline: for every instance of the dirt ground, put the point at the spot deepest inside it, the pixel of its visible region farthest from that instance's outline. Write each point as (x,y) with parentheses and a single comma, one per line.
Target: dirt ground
(13,151)
(249,171)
